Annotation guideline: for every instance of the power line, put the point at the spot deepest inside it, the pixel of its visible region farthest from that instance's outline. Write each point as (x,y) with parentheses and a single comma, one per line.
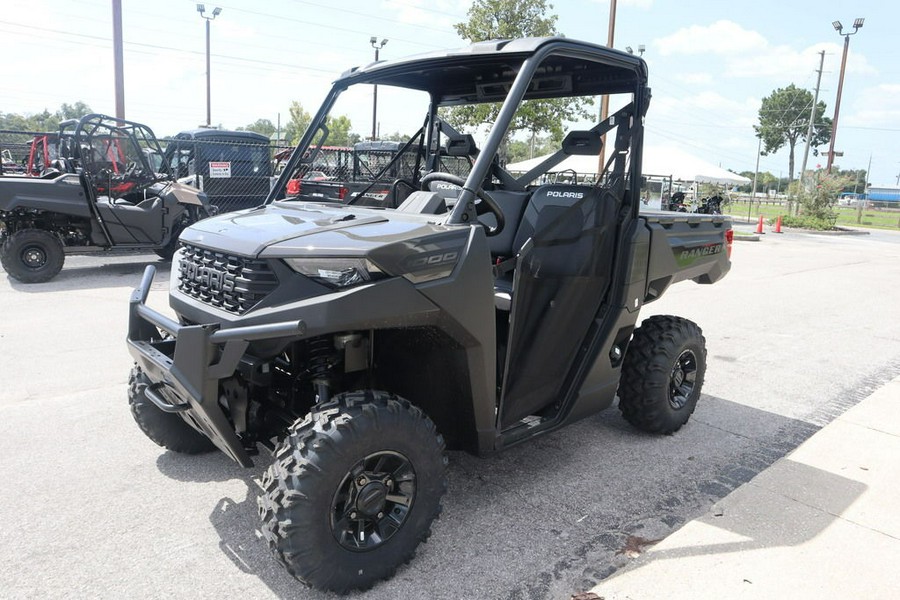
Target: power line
(173,49)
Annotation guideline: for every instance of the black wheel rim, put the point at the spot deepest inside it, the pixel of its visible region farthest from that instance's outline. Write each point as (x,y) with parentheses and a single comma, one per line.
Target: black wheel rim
(683,379)
(373,501)
(34,257)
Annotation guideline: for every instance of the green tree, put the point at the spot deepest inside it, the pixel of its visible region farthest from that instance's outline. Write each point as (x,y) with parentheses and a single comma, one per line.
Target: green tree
(784,120)
(764,181)
(748,187)
(395,137)
(339,133)
(45,120)
(297,126)
(855,178)
(504,19)
(263,126)
(519,150)
(73,111)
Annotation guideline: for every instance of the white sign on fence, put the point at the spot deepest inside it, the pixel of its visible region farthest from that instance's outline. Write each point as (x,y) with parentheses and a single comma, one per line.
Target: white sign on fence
(220,169)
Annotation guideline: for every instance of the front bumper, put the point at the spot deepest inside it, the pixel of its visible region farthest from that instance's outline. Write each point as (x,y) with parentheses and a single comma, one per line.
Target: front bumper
(185,363)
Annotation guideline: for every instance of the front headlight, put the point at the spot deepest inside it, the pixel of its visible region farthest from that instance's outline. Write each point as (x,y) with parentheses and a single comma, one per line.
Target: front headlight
(336,272)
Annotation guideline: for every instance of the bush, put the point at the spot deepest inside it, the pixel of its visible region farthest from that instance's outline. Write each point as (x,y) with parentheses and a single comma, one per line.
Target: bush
(817,200)
(809,222)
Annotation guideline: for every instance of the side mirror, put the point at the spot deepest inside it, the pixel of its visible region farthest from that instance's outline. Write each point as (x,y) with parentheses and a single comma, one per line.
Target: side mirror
(461,146)
(583,143)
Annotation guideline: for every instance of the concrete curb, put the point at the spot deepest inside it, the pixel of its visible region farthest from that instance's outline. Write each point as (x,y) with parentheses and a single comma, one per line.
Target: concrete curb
(818,524)
(837,231)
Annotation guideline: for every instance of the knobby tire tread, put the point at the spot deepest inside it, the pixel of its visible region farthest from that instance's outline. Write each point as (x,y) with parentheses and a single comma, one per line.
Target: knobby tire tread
(643,387)
(295,478)
(12,247)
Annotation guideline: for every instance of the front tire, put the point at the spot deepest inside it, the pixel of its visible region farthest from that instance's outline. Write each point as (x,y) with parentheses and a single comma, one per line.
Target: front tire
(662,374)
(353,490)
(165,429)
(32,255)
(168,251)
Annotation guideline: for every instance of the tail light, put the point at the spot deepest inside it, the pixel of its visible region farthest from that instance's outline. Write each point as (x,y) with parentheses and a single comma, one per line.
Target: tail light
(294,187)
(342,192)
(729,241)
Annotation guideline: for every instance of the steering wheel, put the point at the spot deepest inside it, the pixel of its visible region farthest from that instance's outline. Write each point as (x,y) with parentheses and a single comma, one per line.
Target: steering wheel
(486,205)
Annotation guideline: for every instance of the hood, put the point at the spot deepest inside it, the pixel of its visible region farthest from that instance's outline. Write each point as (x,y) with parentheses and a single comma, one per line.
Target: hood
(304,228)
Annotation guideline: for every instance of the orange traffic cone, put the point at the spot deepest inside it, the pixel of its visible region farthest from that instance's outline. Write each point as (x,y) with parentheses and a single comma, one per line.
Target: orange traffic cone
(778,225)
(759,226)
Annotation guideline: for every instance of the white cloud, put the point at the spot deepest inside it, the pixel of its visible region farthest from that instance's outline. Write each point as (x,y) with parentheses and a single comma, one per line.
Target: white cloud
(877,106)
(722,37)
(422,12)
(695,78)
(786,62)
(232,30)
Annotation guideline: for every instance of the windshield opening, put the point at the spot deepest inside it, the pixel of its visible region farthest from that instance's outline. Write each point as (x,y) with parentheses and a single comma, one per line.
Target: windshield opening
(439,115)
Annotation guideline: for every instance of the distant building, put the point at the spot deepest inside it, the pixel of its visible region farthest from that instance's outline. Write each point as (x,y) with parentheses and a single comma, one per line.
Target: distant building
(887,193)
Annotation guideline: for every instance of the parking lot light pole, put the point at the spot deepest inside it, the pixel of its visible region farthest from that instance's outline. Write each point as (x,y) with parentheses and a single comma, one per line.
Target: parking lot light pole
(378,46)
(857,24)
(201,8)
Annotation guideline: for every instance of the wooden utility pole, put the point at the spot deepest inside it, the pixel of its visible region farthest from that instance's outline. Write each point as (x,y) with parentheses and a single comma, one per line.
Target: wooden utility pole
(604,101)
(812,118)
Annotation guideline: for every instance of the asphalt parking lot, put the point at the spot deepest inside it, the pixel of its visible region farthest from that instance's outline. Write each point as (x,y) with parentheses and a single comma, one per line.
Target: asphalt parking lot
(803,328)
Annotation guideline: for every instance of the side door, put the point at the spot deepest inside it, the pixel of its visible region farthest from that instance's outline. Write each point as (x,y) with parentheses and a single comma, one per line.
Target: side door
(563,273)
(131,214)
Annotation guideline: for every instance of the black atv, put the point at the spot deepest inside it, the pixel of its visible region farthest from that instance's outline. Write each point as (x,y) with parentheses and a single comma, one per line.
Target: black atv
(711,205)
(356,341)
(100,193)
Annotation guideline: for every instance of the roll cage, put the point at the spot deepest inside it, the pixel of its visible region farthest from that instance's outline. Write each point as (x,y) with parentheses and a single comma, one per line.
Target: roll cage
(498,71)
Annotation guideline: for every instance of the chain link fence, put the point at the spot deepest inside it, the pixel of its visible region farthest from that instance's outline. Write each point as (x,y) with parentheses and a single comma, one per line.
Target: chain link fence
(15,149)
(237,169)
(371,173)
(234,169)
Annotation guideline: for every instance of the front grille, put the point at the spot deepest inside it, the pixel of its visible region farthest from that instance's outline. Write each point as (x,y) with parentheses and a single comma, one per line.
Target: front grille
(232,283)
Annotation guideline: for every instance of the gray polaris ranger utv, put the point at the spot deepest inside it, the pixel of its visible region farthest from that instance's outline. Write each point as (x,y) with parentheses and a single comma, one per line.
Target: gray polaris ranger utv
(100,193)
(357,342)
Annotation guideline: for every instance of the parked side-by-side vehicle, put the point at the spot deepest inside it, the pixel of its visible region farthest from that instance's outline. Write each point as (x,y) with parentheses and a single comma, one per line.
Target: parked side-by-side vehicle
(357,343)
(101,193)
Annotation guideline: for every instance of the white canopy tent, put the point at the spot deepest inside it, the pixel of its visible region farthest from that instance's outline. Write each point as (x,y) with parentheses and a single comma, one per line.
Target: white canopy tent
(663,161)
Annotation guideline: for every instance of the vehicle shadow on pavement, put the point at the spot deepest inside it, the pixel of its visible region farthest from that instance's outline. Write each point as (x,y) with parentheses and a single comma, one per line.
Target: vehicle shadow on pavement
(204,468)
(109,275)
(236,521)
(548,518)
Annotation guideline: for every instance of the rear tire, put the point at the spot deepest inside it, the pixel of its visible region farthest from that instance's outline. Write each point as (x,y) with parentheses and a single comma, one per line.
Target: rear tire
(662,374)
(353,490)
(32,255)
(165,429)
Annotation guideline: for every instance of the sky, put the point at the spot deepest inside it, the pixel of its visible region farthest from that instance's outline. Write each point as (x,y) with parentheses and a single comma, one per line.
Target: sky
(711,63)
